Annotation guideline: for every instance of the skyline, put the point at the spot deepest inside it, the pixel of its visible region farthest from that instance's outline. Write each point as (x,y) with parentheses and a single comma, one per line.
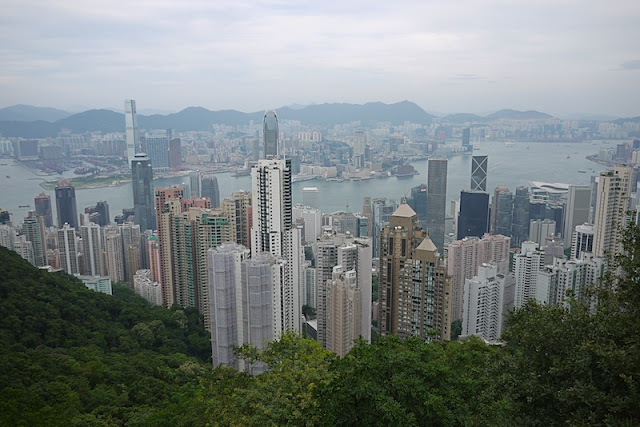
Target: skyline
(557,57)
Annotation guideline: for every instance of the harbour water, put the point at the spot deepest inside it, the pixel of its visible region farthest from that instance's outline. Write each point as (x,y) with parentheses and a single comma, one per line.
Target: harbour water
(513,165)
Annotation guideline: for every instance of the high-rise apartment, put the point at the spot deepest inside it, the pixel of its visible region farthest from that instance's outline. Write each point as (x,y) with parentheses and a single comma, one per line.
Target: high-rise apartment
(436,201)
(209,189)
(68,247)
(582,240)
(131,129)
(114,253)
(91,234)
(614,192)
(414,293)
(66,203)
(528,263)
(42,202)
(142,181)
(270,134)
(33,230)
(479,168)
(344,311)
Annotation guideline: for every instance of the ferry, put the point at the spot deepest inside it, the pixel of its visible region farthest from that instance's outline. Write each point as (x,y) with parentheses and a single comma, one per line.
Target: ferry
(23,206)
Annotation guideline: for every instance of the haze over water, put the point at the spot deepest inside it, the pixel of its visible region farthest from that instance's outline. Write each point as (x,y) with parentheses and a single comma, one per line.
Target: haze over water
(511,166)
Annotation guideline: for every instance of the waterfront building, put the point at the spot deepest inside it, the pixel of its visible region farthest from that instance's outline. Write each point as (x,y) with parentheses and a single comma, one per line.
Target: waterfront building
(520,228)
(614,192)
(310,197)
(501,211)
(42,203)
(209,189)
(270,134)
(436,201)
(479,168)
(158,150)
(576,211)
(66,207)
(131,129)
(473,219)
(142,182)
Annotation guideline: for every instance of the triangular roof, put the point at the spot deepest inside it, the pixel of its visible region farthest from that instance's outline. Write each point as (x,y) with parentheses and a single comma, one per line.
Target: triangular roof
(404,210)
(427,245)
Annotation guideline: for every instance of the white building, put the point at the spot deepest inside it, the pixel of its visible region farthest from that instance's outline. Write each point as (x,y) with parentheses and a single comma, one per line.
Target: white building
(612,203)
(528,262)
(576,210)
(147,288)
(310,197)
(131,129)
(582,240)
(100,284)
(483,303)
(555,281)
(68,247)
(312,219)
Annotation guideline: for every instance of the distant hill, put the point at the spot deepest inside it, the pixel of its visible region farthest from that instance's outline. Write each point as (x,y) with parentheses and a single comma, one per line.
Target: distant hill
(201,119)
(628,119)
(29,113)
(464,117)
(518,115)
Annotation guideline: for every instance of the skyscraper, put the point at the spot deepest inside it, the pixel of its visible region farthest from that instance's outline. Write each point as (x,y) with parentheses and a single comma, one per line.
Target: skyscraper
(310,197)
(99,213)
(114,253)
(271,205)
(582,240)
(483,303)
(209,189)
(131,129)
(502,212)
(418,202)
(158,151)
(528,263)
(473,219)
(68,247)
(142,181)
(466,137)
(479,167)
(66,203)
(344,311)
(414,293)
(270,134)
(614,192)
(436,201)
(520,228)
(91,249)
(33,230)
(42,203)
(576,211)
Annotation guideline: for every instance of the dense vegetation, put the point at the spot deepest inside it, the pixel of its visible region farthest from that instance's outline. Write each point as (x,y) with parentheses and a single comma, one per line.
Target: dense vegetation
(74,357)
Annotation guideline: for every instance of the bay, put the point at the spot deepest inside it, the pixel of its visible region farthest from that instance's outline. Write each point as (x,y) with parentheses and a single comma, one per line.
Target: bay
(508,165)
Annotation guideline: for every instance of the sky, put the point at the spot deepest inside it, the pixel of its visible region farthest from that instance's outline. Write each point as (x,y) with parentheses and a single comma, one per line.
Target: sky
(557,56)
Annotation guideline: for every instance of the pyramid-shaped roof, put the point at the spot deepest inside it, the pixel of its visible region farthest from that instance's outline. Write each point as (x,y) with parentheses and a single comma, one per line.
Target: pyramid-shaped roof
(427,245)
(404,210)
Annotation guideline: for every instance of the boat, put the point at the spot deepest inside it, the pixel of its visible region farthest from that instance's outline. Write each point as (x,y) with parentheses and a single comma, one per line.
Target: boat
(23,206)
(582,171)
(8,176)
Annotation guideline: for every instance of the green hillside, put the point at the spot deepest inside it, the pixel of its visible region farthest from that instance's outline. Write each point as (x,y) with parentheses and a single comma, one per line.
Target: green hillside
(70,356)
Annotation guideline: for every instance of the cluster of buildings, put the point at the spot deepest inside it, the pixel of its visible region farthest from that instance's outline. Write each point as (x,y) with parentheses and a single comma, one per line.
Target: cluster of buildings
(253,263)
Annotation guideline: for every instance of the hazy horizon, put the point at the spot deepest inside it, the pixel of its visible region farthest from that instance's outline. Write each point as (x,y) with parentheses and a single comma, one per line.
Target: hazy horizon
(562,57)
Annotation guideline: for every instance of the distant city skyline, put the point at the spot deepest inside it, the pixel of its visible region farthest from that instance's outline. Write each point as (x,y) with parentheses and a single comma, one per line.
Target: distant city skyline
(558,57)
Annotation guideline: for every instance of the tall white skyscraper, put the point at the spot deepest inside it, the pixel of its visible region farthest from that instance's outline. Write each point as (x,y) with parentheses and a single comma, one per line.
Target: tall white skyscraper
(131,129)
(528,263)
(273,232)
(92,248)
(483,303)
(612,203)
(68,247)
(582,240)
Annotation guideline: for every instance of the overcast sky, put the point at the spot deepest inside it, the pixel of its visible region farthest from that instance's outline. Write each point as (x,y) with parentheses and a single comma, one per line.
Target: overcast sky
(557,56)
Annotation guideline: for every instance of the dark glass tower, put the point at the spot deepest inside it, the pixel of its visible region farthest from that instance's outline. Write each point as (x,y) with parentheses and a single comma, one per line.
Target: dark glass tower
(270,134)
(143,197)
(209,189)
(479,173)
(66,203)
(474,214)
(42,203)
(520,229)
(436,201)
(418,202)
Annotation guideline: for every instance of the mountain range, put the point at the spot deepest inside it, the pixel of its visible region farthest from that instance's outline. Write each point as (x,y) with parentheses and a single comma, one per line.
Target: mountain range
(40,122)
